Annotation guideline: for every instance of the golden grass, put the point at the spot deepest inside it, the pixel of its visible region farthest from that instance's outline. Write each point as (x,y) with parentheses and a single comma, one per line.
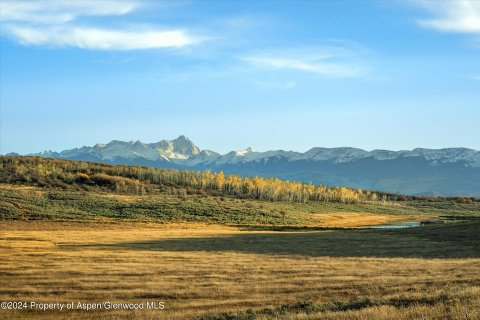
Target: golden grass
(360,219)
(204,269)
(22,189)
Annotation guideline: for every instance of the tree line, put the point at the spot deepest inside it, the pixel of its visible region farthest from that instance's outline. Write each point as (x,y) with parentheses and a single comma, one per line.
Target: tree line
(142,180)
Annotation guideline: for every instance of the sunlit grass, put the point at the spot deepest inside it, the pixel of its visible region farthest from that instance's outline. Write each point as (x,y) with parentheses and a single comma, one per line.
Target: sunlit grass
(19,202)
(211,270)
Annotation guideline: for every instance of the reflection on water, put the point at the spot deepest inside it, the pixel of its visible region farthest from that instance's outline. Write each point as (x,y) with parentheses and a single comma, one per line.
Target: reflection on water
(398,225)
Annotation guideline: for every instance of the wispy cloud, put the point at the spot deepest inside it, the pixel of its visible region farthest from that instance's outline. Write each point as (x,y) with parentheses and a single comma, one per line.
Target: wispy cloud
(461,16)
(62,11)
(306,65)
(58,24)
(101,39)
(332,61)
(475,77)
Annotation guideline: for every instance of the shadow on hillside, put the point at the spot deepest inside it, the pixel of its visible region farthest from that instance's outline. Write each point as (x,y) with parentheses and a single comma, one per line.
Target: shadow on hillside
(461,241)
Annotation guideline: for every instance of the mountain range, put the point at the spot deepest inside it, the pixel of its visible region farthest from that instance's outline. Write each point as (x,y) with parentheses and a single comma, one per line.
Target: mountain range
(446,172)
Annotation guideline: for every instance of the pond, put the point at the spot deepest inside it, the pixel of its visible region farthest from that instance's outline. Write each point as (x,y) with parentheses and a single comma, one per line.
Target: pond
(398,225)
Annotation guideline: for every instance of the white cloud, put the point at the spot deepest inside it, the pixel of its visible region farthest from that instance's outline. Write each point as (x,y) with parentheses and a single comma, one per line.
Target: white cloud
(326,61)
(318,67)
(61,11)
(58,24)
(461,16)
(101,39)
(475,77)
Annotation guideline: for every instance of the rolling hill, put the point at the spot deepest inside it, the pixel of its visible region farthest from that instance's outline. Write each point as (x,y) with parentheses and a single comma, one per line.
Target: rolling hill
(442,172)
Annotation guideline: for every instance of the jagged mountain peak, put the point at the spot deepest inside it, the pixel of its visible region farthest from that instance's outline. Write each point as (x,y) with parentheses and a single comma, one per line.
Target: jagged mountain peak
(184,150)
(208,153)
(115,142)
(182,138)
(243,153)
(179,146)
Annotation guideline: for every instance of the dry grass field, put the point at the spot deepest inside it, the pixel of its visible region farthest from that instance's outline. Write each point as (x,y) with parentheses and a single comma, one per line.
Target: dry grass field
(208,271)
(357,219)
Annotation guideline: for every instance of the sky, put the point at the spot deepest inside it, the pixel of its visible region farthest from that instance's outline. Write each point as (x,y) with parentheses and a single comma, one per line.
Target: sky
(229,75)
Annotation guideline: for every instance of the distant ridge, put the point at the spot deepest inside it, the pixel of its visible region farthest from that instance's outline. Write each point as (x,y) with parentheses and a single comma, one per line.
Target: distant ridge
(449,171)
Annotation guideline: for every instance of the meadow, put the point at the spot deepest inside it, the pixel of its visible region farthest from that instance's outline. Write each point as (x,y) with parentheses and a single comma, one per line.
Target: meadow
(210,255)
(209,271)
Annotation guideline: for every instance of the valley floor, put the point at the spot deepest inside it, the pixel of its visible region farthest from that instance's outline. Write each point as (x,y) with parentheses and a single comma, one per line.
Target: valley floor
(208,271)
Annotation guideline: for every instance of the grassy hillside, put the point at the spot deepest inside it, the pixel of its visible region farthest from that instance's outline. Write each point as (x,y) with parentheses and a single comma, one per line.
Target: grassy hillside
(36,188)
(77,175)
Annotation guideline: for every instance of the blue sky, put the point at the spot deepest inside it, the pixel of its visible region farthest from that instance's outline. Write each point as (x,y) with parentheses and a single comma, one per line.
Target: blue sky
(232,74)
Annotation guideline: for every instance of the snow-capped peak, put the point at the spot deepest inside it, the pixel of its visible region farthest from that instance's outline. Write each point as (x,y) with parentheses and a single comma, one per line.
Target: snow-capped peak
(184,152)
(243,153)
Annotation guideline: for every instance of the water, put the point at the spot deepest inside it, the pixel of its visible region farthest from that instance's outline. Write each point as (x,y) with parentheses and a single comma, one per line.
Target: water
(399,225)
